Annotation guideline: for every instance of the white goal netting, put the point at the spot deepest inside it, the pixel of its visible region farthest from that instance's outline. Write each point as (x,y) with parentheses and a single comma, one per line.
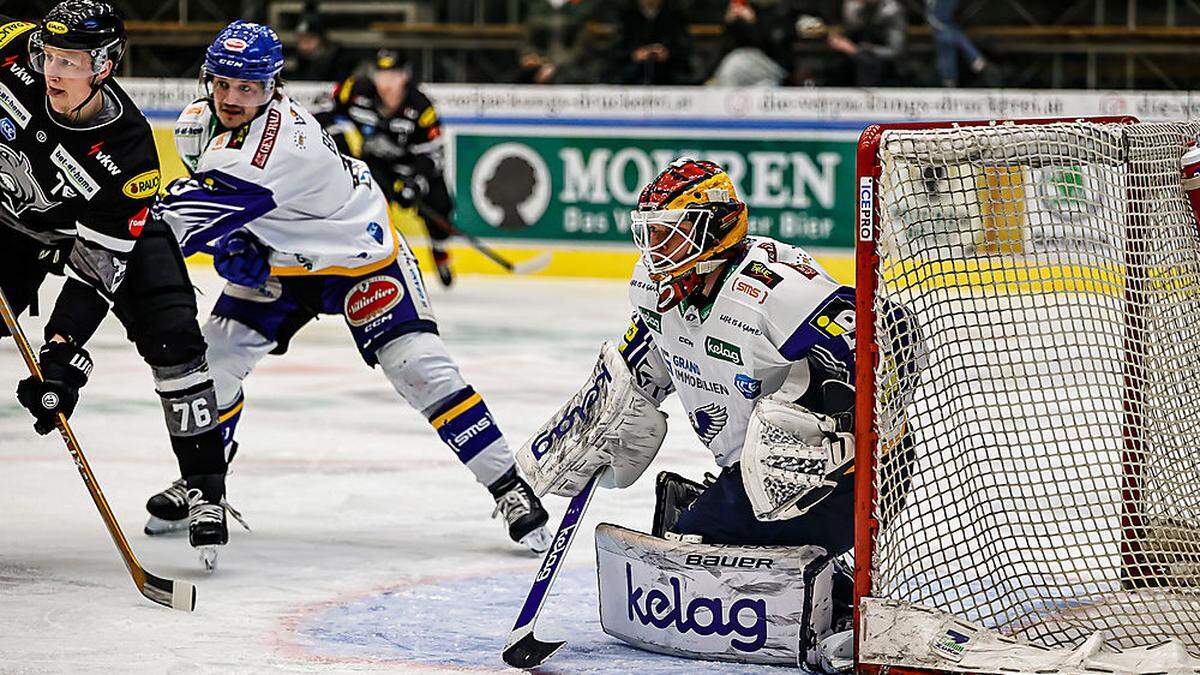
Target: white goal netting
(1037,316)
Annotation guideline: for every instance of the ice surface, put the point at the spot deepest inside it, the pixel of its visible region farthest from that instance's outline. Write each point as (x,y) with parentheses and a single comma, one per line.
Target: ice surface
(372,548)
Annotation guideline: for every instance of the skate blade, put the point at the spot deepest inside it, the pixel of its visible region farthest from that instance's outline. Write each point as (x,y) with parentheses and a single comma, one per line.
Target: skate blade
(537,541)
(156,527)
(208,558)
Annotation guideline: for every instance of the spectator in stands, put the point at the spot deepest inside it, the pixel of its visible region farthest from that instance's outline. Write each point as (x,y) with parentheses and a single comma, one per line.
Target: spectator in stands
(872,37)
(757,44)
(315,57)
(950,40)
(557,43)
(652,44)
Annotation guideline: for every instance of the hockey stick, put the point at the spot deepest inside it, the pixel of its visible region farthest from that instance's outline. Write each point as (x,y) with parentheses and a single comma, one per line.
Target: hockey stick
(523,650)
(175,594)
(534,264)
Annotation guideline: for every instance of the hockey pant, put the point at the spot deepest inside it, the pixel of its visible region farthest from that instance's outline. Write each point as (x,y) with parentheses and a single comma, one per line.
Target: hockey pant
(722,515)
(392,324)
(157,307)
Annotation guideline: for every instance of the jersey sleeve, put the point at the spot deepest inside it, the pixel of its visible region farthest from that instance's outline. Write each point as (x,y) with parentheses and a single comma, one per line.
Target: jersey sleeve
(108,228)
(824,336)
(645,361)
(427,145)
(210,204)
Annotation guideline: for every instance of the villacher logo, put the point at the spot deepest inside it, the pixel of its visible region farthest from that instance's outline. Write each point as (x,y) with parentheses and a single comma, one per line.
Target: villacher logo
(371,298)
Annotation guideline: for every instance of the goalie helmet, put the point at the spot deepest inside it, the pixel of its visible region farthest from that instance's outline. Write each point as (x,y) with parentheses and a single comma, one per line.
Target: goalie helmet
(688,222)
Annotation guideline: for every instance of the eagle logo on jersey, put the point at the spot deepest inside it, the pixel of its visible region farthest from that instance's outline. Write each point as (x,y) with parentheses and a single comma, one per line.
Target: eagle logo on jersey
(18,187)
(708,421)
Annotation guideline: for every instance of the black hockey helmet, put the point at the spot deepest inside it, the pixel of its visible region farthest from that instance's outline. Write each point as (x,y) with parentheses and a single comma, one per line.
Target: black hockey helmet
(93,26)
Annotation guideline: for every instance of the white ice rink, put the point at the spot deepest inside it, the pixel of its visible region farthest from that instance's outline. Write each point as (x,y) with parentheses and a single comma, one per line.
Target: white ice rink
(372,547)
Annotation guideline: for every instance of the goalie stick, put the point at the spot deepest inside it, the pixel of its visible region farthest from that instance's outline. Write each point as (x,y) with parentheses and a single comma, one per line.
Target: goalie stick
(534,264)
(523,650)
(179,595)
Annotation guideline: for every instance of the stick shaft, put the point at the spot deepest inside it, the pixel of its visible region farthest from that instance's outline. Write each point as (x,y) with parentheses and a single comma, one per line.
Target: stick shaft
(68,436)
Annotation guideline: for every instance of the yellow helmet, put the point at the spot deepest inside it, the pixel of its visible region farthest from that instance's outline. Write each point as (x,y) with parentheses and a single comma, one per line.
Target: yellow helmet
(686,217)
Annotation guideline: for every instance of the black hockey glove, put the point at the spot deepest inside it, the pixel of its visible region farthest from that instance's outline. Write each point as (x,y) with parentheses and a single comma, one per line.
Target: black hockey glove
(65,369)
(408,190)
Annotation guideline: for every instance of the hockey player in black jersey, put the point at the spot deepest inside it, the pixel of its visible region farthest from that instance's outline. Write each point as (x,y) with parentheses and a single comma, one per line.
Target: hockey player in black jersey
(78,171)
(383,119)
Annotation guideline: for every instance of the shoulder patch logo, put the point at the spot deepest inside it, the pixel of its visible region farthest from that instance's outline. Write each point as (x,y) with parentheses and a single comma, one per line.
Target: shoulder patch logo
(428,118)
(10,104)
(142,185)
(835,318)
(762,274)
(723,351)
(653,320)
(11,30)
(267,143)
(708,421)
(8,129)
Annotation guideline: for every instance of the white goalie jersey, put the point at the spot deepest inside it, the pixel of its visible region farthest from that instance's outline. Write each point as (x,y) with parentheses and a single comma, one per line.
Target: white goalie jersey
(775,308)
(281,178)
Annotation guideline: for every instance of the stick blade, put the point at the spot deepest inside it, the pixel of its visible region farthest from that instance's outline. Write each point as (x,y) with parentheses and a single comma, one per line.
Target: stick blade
(179,595)
(534,265)
(530,652)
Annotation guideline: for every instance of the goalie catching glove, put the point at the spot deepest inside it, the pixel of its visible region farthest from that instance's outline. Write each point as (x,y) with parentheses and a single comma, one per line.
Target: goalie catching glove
(609,423)
(793,457)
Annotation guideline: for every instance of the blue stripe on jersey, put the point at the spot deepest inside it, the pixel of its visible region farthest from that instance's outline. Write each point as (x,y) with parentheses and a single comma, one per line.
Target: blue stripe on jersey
(830,328)
(209,205)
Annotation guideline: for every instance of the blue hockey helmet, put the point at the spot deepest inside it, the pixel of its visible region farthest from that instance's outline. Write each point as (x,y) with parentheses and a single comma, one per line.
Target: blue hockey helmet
(247,51)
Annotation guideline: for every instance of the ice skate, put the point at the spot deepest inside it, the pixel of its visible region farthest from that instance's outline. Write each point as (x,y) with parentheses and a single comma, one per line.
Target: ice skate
(168,510)
(522,512)
(207,528)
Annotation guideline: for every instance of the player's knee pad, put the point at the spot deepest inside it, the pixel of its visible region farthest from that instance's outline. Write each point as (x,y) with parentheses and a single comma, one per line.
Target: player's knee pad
(188,397)
(233,350)
(421,370)
(718,602)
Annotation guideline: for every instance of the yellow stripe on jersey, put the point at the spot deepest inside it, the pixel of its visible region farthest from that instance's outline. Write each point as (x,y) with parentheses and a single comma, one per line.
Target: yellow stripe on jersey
(446,417)
(300,270)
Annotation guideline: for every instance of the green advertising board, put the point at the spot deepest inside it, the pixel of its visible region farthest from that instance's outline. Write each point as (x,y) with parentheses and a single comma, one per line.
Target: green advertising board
(581,188)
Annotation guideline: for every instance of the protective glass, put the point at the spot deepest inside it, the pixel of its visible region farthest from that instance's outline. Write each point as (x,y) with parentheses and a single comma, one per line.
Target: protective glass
(68,63)
(245,93)
(669,239)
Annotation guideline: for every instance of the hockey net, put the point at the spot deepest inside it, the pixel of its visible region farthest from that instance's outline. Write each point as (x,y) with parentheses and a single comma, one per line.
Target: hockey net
(1029,395)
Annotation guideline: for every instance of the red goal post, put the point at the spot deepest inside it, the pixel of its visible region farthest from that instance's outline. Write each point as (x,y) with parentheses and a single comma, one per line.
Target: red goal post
(1094,166)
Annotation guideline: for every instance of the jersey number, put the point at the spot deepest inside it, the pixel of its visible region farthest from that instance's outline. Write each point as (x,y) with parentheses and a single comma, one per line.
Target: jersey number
(197,413)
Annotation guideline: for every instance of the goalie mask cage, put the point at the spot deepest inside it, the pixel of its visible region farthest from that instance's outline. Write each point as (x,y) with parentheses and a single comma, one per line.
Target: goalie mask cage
(1028,349)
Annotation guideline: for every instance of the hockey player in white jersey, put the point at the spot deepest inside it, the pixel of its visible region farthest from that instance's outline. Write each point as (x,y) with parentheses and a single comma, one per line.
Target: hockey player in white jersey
(758,342)
(299,230)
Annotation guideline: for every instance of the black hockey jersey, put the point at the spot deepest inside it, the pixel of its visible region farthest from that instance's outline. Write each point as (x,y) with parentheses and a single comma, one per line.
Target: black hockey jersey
(85,189)
(411,137)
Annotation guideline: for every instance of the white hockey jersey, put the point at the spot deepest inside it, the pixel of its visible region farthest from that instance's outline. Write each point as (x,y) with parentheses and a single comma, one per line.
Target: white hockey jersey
(776,307)
(281,177)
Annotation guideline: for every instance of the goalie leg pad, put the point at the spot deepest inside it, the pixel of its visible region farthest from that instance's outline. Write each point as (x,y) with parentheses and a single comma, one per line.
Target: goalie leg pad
(726,603)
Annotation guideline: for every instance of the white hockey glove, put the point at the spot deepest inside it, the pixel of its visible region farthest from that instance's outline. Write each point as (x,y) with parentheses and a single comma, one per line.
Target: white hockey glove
(607,424)
(789,452)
